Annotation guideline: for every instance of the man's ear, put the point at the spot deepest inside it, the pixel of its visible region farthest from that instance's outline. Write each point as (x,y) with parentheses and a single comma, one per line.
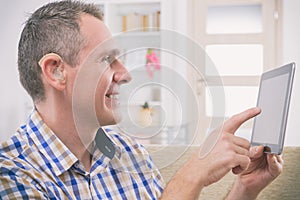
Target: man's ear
(53,70)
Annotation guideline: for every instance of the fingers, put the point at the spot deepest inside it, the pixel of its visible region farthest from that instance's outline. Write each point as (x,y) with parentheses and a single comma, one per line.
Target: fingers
(241,142)
(241,151)
(256,152)
(233,123)
(242,159)
(279,159)
(243,163)
(275,163)
(240,147)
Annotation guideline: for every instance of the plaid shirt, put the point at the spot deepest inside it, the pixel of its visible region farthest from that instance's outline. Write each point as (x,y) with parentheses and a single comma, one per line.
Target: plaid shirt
(35,164)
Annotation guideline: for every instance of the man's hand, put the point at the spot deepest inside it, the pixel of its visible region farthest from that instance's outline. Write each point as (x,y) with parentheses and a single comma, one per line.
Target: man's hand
(229,152)
(263,169)
(220,153)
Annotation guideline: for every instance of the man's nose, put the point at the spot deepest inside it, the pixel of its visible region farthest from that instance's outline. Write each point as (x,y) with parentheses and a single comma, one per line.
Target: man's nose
(121,75)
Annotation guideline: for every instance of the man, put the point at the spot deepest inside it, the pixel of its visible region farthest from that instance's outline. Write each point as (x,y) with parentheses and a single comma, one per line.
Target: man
(48,158)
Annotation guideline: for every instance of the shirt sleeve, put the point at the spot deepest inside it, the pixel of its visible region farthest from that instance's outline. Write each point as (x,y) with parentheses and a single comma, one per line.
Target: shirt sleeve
(158,181)
(14,186)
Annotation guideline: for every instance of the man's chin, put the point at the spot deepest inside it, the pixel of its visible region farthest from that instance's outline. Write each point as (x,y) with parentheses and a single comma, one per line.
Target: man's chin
(116,119)
(108,122)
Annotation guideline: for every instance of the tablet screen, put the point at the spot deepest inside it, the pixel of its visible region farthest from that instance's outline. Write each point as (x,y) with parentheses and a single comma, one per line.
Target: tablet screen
(273,99)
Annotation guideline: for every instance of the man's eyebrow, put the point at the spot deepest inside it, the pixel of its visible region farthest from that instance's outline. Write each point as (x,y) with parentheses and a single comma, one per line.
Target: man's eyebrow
(112,52)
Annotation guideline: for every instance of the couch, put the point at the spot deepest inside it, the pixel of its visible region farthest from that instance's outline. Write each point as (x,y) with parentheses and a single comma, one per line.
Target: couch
(286,187)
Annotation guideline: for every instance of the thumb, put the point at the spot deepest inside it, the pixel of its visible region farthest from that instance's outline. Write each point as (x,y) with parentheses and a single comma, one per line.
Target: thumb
(234,122)
(256,151)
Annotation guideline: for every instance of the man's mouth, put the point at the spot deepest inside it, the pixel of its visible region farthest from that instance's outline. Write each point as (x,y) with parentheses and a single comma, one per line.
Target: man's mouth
(112,96)
(112,99)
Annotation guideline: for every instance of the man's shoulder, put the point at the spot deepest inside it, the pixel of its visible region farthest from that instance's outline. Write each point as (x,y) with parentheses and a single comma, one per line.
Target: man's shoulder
(15,145)
(20,159)
(18,174)
(16,152)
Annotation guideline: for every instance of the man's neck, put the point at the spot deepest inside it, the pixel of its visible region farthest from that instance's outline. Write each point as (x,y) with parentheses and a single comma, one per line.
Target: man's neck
(61,122)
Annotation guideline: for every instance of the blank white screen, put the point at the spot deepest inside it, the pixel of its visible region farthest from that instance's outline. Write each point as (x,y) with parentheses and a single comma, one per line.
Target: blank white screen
(271,101)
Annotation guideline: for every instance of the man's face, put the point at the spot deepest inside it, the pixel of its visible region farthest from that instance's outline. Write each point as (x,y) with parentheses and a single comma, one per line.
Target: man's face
(110,72)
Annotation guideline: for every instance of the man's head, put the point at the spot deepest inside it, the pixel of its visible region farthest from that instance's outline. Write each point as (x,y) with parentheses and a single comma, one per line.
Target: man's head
(53,28)
(56,41)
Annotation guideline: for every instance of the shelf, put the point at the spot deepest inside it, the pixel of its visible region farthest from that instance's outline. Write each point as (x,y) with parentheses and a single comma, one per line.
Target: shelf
(138,34)
(130,14)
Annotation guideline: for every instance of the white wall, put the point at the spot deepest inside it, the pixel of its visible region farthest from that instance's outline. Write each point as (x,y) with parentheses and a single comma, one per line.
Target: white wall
(13,100)
(291,52)
(13,14)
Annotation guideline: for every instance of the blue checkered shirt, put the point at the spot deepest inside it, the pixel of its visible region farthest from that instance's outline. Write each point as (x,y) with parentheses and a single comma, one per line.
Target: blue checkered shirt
(35,164)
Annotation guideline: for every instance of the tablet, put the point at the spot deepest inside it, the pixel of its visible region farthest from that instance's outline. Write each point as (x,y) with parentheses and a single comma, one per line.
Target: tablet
(273,99)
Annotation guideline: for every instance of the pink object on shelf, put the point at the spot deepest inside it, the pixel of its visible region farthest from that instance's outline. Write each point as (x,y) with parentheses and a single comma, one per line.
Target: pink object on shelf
(153,63)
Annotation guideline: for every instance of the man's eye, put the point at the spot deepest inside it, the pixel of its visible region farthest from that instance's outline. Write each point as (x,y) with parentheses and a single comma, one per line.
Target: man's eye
(109,59)
(106,59)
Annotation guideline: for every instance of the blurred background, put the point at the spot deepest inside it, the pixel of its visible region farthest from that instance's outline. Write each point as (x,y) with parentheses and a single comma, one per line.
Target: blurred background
(243,38)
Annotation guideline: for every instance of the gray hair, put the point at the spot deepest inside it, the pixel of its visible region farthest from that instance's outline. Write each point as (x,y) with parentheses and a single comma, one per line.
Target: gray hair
(53,28)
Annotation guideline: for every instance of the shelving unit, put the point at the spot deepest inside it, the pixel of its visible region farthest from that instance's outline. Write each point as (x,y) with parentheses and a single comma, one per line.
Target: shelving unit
(130,38)
(132,13)
(115,11)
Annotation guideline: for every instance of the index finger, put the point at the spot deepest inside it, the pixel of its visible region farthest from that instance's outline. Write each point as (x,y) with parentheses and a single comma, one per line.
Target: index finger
(234,122)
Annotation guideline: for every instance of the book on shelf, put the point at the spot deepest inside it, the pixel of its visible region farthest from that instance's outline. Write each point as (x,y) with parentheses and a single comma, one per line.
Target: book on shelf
(141,21)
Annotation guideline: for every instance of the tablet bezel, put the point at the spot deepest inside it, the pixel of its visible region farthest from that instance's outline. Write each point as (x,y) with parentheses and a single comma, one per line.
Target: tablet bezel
(286,69)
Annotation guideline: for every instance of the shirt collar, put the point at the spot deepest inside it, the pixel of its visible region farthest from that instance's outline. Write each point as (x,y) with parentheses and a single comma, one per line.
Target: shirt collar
(119,148)
(59,156)
(97,154)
